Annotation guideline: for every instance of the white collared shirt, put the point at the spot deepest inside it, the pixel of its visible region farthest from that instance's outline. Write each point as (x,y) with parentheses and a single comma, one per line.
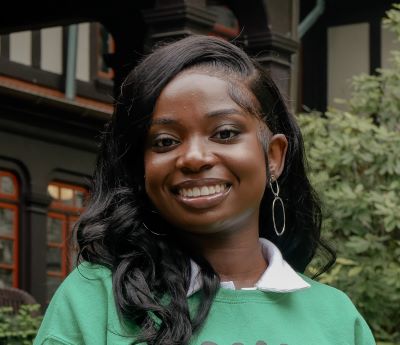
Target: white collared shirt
(278,277)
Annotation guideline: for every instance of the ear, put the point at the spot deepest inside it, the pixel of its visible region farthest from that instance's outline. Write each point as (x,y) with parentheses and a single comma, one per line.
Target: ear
(276,154)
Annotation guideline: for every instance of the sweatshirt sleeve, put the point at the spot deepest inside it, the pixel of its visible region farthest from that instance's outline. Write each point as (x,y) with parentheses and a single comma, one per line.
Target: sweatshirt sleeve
(83,312)
(80,310)
(362,333)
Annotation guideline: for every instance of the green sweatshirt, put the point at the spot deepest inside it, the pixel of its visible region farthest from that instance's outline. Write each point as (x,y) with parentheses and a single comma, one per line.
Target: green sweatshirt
(83,312)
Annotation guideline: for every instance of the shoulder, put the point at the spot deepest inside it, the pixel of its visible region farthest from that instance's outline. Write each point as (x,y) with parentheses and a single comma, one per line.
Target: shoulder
(89,271)
(327,296)
(87,284)
(86,277)
(334,309)
(84,301)
(324,289)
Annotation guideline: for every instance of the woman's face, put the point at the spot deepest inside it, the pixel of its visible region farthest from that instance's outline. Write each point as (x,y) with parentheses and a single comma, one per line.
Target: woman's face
(205,168)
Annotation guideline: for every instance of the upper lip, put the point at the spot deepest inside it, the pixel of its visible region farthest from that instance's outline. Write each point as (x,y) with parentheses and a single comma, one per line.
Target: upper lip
(198,183)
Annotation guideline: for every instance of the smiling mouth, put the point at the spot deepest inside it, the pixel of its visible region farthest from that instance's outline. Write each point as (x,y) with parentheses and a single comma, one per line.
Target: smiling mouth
(202,191)
(202,197)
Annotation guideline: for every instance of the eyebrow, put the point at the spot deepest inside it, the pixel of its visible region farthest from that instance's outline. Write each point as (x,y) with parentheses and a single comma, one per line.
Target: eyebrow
(163,121)
(214,113)
(224,112)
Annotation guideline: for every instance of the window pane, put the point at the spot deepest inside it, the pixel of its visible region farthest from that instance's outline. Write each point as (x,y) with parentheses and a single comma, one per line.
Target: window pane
(52,284)
(6,278)
(21,47)
(6,251)
(54,230)
(83,56)
(67,196)
(6,222)
(79,198)
(54,259)
(7,185)
(53,191)
(51,39)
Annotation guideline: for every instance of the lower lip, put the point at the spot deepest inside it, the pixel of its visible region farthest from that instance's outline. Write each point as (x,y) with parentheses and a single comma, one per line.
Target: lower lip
(203,202)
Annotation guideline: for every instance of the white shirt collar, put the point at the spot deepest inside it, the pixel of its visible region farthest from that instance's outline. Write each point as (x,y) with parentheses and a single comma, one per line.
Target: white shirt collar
(278,277)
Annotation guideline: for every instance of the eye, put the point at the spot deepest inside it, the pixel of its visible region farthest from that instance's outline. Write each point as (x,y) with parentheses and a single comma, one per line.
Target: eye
(226,134)
(163,142)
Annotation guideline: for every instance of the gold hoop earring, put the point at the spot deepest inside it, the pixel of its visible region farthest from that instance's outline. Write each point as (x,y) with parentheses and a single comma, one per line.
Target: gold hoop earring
(277,199)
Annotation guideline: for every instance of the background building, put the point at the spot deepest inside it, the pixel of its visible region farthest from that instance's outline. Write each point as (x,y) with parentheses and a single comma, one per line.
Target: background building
(347,39)
(61,64)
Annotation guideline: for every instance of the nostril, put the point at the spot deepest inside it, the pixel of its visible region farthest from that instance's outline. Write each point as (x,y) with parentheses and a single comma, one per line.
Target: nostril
(190,169)
(195,162)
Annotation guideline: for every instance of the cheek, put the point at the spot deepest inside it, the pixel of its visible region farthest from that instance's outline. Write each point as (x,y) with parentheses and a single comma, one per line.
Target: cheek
(250,158)
(152,164)
(255,170)
(156,169)
(150,174)
(248,163)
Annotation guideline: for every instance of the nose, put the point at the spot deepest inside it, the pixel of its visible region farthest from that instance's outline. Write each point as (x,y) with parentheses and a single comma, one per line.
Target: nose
(195,156)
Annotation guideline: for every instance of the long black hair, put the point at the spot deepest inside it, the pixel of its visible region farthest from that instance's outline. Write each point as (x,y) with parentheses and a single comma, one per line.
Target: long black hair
(114,229)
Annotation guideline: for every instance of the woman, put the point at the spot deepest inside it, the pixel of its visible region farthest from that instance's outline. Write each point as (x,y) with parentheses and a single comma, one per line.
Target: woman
(201,216)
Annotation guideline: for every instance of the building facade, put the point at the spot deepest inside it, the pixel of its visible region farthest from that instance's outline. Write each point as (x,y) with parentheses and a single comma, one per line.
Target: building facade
(347,39)
(59,71)
(61,66)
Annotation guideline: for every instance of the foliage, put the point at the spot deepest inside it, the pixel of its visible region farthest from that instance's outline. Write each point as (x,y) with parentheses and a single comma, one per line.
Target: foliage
(19,328)
(354,159)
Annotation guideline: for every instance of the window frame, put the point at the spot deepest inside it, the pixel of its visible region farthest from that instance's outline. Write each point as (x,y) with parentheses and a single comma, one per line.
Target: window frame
(62,245)
(56,205)
(69,215)
(11,201)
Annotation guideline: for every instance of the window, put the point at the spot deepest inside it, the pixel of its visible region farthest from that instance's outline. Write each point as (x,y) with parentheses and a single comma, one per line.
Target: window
(348,43)
(68,203)
(9,195)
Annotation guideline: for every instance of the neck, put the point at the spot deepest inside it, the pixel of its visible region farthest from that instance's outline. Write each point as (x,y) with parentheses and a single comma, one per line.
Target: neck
(235,256)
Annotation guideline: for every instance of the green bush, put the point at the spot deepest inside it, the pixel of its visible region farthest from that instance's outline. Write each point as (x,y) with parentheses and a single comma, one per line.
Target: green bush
(19,328)
(354,159)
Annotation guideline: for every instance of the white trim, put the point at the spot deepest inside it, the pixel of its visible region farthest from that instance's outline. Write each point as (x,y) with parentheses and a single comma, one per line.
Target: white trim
(278,277)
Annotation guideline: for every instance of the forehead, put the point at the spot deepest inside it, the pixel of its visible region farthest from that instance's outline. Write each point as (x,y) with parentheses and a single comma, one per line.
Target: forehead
(195,84)
(200,89)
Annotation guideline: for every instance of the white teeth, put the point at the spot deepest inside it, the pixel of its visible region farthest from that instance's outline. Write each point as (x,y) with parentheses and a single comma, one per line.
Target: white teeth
(202,191)
(196,191)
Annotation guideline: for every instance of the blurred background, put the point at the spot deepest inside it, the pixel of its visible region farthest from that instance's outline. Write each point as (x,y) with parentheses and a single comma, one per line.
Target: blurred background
(61,65)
